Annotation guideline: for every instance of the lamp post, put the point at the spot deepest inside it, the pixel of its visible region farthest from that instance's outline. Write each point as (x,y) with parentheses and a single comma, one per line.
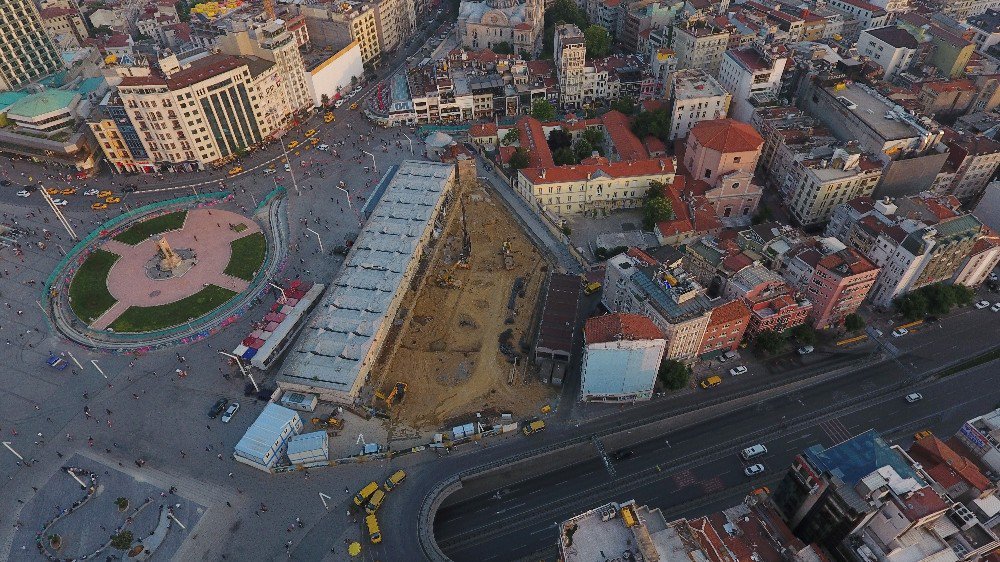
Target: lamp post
(318,239)
(243,370)
(409,141)
(284,153)
(374,165)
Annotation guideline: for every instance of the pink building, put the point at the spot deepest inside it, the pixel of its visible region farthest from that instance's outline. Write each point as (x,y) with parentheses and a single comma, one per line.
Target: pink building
(839,285)
(719,157)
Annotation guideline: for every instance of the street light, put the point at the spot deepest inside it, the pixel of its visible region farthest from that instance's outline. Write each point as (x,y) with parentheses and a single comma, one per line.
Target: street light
(318,239)
(243,370)
(374,165)
(284,153)
(408,140)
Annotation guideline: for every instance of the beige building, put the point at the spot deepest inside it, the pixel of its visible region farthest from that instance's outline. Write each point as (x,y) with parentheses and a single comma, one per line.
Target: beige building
(26,52)
(274,43)
(484,24)
(816,186)
(695,96)
(377,26)
(202,112)
(570,59)
(700,47)
(64,26)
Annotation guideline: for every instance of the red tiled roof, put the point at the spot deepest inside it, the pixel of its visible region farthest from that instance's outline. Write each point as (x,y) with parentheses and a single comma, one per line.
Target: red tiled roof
(638,254)
(732,311)
(727,135)
(681,223)
(483,130)
(533,139)
(620,326)
(654,145)
(55,12)
(202,69)
(932,452)
(629,146)
(559,174)
(921,503)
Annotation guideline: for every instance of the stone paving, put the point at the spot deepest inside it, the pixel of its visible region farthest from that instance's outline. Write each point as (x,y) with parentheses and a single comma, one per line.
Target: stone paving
(207,232)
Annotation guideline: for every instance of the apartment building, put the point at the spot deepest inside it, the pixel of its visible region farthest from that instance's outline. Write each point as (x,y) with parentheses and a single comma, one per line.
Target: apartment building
(272,41)
(26,51)
(64,26)
(867,15)
(345,22)
(985,28)
(621,357)
(725,329)
(636,283)
(825,177)
(118,138)
(774,305)
(570,58)
(981,438)
(700,47)
(972,163)
(751,72)
(976,268)
(695,96)
(892,48)
(835,278)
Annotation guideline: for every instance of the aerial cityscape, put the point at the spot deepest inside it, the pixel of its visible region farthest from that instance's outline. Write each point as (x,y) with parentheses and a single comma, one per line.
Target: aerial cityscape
(500,280)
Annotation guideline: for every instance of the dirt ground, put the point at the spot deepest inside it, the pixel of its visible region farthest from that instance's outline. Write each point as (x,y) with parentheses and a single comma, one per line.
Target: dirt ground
(448,353)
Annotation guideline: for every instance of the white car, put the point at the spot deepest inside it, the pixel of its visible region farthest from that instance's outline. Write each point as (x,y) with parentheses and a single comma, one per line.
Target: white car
(754,469)
(914,397)
(230,412)
(60,202)
(738,370)
(269,171)
(995,307)
(900,332)
(806,350)
(979,305)
(339,102)
(23,193)
(91,192)
(288,167)
(993,277)
(323,147)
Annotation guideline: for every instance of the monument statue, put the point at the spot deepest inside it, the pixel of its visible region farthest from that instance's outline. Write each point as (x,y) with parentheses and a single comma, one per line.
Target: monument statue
(170,260)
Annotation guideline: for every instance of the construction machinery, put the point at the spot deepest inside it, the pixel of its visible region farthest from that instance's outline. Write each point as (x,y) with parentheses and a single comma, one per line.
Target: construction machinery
(330,422)
(508,256)
(395,395)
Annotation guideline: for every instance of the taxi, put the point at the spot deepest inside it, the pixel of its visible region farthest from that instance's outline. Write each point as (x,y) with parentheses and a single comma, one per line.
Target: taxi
(68,191)
(310,133)
(113,199)
(99,206)
(235,170)
(52,190)
(293,144)
(329,117)
(314,141)
(354,105)
(104,193)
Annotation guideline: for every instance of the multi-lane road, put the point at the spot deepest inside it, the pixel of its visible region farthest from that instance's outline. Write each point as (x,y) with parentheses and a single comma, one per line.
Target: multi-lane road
(697,469)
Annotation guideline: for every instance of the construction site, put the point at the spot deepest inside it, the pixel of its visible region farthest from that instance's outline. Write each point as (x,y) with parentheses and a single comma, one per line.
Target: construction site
(463,346)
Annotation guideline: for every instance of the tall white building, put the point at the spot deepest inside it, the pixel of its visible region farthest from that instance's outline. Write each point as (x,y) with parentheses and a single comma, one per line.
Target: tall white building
(622,354)
(26,51)
(700,47)
(570,53)
(890,47)
(695,96)
(751,71)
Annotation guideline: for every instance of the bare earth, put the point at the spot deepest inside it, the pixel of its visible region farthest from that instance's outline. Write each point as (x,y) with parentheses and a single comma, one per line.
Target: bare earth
(448,353)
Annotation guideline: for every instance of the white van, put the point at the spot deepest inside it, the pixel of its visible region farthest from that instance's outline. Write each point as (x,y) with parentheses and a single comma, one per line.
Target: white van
(754,451)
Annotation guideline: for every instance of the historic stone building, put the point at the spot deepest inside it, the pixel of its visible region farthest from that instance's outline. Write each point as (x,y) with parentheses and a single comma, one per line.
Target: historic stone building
(483,25)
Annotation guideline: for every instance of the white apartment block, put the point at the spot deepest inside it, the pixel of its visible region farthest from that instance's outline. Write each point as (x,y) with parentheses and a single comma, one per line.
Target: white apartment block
(699,47)
(570,51)
(815,187)
(986,29)
(273,42)
(867,14)
(750,71)
(695,96)
(890,47)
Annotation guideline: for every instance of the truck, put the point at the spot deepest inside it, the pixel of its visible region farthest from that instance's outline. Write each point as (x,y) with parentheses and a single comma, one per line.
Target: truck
(365,493)
(591,288)
(374,533)
(534,427)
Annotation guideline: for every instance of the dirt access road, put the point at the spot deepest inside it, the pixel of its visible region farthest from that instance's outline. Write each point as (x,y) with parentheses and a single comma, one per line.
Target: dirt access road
(448,351)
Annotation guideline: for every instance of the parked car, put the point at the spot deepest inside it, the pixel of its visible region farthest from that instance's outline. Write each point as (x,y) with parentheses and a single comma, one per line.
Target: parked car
(91,192)
(754,470)
(995,307)
(738,370)
(269,171)
(714,380)
(914,397)
(339,102)
(218,407)
(23,193)
(900,332)
(979,305)
(806,350)
(230,412)
(57,363)
(60,202)
(5,183)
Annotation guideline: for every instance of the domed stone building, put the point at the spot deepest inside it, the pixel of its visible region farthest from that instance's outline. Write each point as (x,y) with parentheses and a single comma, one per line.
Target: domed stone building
(519,23)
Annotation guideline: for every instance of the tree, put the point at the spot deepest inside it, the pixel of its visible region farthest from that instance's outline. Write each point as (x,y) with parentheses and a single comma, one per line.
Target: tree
(854,322)
(940,298)
(654,210)
(769,342)
(122,541)
(183,10)
(503,48)
(583,149)
(673,375)
(655,123)
(559,138)
(598,41)
(524,55)
(912,306)
(561,11)
(564,156)
(520,159)
(511,136)
(595,137)
(624,104)
(963,295)
(543,110)
(804,334)
(325,100)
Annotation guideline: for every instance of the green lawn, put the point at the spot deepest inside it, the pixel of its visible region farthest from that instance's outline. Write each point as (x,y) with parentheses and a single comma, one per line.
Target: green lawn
(151,318)
(143,230)
(248,254)
(89,289)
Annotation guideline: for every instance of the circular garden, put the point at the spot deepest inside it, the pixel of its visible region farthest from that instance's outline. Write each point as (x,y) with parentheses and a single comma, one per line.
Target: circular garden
(167,270)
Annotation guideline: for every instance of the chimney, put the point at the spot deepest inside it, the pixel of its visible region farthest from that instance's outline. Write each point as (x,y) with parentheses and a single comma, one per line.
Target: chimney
(542,173)
(663,165)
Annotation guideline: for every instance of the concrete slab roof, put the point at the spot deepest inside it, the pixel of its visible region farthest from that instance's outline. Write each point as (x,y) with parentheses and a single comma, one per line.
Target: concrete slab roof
(342,330)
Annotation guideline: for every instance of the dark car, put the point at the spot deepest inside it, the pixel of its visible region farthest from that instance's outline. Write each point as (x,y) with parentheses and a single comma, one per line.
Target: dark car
(218,407)
(930,319)
(130,188)
(5,183)
(622,454)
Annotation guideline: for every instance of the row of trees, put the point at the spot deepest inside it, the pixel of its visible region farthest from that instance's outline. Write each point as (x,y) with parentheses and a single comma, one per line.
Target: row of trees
(938,298)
